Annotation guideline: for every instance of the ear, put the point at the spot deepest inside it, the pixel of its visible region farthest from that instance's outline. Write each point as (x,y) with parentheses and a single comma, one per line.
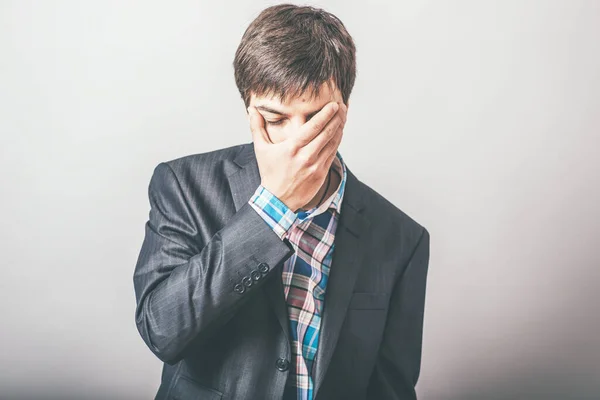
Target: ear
(248,112)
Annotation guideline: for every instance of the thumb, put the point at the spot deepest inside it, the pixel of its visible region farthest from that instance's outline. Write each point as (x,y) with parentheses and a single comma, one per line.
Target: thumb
(257,126)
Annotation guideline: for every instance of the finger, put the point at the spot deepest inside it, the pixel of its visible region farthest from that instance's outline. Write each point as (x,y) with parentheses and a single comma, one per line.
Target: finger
(316,146)
(257,126)
(315,125)
(329,160)
(329,150)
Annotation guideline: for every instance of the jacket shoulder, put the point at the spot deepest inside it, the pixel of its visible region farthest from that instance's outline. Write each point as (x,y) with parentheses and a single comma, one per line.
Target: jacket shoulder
(395,232)
(204,160)
(389,211)
(191,169)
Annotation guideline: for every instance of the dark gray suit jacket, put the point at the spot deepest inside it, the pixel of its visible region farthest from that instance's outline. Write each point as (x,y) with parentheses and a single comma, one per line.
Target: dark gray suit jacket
(202,238)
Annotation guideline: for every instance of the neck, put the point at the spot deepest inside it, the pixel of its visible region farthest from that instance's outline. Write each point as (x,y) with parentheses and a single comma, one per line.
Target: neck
(334,182)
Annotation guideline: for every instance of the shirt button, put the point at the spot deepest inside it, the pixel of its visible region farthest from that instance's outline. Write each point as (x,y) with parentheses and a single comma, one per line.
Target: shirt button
(282,364)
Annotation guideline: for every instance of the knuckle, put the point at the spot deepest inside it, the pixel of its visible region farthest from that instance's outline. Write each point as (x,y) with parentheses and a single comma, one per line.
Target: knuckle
(314,172)
(318,126)
(304,161)
(333,129)
(291,149)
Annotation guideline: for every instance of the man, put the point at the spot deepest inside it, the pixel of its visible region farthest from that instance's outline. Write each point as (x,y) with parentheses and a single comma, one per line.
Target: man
(268,269)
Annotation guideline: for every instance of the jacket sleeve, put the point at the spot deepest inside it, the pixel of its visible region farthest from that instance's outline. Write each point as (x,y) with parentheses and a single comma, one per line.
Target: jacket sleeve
(399,360)
(185,289)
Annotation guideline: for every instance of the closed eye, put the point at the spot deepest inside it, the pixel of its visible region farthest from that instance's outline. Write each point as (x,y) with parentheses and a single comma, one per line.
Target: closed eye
(279,122)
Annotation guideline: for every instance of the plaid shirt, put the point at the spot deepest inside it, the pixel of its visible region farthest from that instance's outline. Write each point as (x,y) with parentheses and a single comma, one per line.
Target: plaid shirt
(304,274)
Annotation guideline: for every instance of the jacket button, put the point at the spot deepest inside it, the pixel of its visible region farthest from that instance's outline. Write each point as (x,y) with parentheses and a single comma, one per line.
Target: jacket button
(282,364)
(263,268)
(239,288)
(246,281)
(255,275)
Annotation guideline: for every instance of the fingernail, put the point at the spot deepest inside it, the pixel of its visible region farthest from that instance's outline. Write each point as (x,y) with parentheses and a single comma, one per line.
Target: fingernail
(336,106)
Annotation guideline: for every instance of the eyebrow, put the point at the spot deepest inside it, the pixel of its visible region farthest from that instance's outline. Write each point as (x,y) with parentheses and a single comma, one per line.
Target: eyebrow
(273,111)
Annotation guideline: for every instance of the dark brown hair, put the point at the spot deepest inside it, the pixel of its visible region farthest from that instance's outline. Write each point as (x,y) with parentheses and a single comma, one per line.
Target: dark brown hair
(289,50)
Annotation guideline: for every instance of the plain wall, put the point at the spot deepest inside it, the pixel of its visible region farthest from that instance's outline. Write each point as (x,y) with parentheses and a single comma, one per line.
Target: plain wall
(480,119)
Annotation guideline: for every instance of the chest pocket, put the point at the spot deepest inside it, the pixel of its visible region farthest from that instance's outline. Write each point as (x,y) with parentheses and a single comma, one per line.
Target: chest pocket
(187,389)
(368,301)
(364,323)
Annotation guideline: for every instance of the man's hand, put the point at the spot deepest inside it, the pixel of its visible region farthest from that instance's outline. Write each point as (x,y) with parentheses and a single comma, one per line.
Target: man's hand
(294,170)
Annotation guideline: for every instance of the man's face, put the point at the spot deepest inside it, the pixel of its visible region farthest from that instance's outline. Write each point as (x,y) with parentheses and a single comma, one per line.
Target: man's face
(283,119)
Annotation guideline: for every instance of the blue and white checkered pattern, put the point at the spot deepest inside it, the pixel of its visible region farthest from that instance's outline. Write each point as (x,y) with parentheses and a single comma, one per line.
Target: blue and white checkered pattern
(305,273)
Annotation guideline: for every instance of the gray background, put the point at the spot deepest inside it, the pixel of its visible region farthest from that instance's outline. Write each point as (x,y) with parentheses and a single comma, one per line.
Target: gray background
(480,119)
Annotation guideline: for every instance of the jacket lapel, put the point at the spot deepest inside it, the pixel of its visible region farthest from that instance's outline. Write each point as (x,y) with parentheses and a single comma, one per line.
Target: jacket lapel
(350,249)
(348,255)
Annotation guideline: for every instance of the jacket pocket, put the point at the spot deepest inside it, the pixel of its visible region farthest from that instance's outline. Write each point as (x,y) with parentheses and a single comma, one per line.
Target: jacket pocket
(186,388)
(368,301)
